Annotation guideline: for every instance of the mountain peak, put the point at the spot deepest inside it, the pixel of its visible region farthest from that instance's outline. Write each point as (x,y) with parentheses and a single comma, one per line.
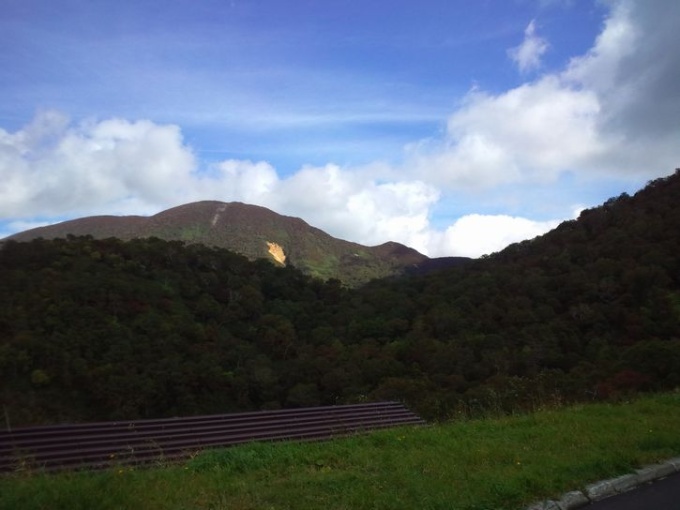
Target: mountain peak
(254,231)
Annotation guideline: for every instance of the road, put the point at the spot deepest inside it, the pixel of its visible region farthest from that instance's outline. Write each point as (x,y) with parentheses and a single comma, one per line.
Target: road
(662,494)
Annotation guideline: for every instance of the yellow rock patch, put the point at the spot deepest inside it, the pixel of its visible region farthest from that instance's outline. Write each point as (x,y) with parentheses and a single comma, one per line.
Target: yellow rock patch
(277,252)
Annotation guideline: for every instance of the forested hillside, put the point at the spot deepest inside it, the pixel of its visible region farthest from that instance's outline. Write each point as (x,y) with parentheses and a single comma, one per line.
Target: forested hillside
(106,329)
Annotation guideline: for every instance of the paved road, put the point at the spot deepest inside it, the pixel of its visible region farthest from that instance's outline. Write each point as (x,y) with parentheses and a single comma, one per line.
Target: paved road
(662,494)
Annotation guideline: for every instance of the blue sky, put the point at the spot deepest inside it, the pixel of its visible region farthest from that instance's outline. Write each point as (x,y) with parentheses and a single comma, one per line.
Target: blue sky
(455,127)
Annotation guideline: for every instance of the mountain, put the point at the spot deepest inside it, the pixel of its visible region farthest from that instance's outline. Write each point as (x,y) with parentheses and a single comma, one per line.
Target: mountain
(255,232)
(105,329)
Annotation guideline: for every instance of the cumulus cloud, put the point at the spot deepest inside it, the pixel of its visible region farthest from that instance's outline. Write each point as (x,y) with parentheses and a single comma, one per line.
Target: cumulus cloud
(245,181)
(474,235)
(51,167)
(121,167)
(528,55)
(530,133)
(612,111)
(357,206)
(634,69)
(116,166)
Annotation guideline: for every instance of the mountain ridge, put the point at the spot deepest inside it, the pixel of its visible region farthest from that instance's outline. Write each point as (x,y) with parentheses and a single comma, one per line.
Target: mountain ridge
(253,231)
(94,330)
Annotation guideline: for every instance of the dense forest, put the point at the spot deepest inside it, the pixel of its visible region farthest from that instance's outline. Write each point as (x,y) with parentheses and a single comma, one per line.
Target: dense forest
(110,329)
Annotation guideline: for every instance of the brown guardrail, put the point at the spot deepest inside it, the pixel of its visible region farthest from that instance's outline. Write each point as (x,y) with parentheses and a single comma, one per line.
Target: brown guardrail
(107,444)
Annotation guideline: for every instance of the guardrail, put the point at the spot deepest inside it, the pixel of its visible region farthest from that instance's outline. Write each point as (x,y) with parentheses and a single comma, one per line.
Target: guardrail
(107,444)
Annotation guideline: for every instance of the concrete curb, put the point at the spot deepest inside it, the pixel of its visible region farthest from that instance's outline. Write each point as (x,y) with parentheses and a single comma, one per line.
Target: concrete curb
(606,488)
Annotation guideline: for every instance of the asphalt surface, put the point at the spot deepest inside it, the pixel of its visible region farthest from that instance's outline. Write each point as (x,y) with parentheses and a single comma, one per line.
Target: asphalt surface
(661,494)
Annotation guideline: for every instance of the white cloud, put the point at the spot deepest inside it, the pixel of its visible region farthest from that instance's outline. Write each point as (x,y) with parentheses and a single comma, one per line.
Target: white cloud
(528,55)
(96,167)
(244,181)
(475,235)
(635,72)
(52,168)
(598,68)
(530,133)
(348,203)
(611,113)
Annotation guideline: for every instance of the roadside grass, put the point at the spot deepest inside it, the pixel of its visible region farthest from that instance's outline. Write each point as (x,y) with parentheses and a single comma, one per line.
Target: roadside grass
(496,463)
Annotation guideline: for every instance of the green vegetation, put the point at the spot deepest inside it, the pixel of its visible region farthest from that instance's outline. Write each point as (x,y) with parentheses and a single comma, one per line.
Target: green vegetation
(323,268)
(246,229)
(496,463)
(193,233)
(107,329)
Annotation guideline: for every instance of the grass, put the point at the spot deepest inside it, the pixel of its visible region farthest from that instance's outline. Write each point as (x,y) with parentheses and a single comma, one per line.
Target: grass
(501,463)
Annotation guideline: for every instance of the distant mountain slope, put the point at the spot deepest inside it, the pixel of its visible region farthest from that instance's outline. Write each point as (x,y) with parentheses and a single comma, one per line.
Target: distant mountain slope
(253,231)
(104,329)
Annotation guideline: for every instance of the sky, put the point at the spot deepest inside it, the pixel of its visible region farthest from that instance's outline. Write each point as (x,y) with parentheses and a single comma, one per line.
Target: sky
(455,127)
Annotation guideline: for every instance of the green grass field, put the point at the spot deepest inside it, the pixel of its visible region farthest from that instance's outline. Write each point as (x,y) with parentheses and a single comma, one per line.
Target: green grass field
(495,463)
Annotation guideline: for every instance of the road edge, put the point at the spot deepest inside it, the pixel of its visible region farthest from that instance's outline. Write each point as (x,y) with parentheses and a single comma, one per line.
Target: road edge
(603,489)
